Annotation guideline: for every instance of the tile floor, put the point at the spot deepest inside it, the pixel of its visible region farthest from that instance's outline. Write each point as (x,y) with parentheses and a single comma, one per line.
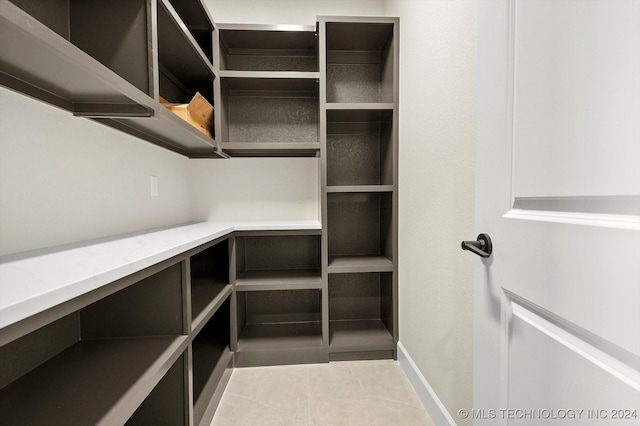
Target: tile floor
(359,393)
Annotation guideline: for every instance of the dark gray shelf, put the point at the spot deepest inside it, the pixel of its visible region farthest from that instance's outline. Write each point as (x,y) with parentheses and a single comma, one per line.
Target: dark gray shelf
(270,74)
(270,149)
(291,279)
(360,188)
(281,344)
(357,264)
(268,47)
(85,384)
(206,298)
(274,85)
(360,106)
(280,336)
(359,335)
(167,130)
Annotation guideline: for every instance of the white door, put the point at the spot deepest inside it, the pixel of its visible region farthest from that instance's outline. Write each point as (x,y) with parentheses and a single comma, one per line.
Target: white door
(557,306)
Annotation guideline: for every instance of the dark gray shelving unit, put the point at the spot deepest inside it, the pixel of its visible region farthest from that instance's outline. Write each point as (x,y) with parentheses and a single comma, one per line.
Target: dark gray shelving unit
(71,369)
(359,166)
(268,90)
(277,293)
(169,325)
(109,61)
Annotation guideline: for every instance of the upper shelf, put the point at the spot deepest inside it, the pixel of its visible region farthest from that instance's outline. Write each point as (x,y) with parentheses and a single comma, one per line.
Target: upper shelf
(268,47)
(39,62)
(66,70)
(361,62)
(198,21)
(180,58)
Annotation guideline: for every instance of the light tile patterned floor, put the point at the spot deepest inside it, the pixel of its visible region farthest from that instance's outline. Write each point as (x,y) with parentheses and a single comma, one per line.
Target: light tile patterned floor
(359,393)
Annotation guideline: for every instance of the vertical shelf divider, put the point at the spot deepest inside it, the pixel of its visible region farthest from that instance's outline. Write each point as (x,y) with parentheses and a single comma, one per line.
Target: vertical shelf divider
(322,67)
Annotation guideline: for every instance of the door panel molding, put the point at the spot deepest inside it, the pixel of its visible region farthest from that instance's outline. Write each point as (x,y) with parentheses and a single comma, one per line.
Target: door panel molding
(607,356)
(586,219)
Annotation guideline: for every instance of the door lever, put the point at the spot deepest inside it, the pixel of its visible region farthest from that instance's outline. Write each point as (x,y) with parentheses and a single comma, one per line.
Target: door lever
(482,247)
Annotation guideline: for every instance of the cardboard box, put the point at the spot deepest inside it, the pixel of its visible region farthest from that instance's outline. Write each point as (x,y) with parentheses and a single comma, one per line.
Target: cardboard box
(198,113)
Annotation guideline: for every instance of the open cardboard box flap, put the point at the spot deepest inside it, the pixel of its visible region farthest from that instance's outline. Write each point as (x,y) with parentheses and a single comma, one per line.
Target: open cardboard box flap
(198,113)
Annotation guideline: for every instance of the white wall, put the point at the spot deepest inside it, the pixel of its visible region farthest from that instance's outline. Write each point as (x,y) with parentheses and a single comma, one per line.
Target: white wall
(65,179)
(301,12)
(437,157)
(255,189)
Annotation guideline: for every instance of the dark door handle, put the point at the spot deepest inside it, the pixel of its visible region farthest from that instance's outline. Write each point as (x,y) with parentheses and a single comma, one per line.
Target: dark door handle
(482,247)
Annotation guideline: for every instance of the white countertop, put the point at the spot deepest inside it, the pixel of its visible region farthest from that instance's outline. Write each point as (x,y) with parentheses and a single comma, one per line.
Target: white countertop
(33,282)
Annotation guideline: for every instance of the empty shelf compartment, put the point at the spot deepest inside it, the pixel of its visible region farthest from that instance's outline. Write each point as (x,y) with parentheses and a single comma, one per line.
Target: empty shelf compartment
(196,17)
(279,327)
(110,32)
(361,312)
(278,262)
(211,358)
(209,280)
(183,68)
(360,147)
(360,62)
(268,48)
(165,405)
(269,110)
(360,226)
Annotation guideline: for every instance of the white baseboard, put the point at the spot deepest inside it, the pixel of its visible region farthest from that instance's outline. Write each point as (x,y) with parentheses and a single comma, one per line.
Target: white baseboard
(427,395)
